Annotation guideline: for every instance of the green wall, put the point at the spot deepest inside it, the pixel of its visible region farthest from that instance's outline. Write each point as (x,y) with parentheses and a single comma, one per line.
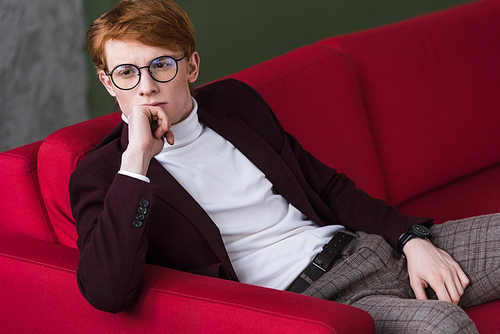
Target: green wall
(233,35)
(99,101)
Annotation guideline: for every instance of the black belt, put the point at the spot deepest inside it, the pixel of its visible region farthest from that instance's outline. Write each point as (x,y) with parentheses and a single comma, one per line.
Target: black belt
(322,262)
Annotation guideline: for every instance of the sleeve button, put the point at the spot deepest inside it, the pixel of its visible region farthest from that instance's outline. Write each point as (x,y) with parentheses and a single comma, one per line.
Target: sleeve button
(142,210)
(137,223)
(144,203)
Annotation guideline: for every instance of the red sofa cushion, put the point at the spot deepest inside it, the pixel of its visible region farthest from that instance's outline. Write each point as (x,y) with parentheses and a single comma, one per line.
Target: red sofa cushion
(319,80)
(486,317)
(432,92)
(58,156)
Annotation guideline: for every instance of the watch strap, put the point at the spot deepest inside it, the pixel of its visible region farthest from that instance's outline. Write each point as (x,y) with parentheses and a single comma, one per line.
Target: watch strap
(410,234)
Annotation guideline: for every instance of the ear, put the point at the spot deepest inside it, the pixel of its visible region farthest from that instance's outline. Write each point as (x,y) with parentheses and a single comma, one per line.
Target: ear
(193,67)
(107,83)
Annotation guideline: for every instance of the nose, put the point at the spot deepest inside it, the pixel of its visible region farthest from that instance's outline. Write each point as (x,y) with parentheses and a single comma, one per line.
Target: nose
(147,85)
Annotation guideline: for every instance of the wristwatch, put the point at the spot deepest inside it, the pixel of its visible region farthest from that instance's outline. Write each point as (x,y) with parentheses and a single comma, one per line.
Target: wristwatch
(416,231)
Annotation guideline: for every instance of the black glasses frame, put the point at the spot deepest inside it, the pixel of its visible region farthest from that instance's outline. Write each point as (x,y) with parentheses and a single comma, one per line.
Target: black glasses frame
(149,71)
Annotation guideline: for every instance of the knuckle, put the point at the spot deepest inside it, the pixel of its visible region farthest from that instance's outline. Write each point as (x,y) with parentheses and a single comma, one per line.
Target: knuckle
(447,272)
(435,277)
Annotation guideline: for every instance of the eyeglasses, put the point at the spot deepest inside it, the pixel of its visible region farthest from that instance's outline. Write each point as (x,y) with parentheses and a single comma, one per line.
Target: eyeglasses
(162,69)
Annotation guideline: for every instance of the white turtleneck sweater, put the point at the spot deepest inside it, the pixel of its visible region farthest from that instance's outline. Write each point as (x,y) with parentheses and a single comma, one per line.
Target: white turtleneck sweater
(268,240)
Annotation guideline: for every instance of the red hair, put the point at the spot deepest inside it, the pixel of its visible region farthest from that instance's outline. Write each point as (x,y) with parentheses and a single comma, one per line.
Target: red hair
(161,23)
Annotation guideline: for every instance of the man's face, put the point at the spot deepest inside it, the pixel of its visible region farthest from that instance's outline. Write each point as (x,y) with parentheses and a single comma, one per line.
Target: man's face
(173,96)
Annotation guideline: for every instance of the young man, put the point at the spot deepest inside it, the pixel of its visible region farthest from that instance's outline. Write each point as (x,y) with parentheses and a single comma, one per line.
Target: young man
(215,186)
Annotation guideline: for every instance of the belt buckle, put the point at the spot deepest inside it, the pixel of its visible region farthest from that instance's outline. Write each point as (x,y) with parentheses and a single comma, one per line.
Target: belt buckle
(324,260)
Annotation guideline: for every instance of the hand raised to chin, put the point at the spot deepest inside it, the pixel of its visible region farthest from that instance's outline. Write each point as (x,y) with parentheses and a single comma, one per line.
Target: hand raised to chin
(148,126)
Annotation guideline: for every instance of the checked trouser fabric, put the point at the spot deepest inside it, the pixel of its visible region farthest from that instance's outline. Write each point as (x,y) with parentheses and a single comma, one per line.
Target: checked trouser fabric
(372,276)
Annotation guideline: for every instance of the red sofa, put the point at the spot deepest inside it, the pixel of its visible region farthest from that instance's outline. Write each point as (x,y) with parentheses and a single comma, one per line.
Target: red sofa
(410,111)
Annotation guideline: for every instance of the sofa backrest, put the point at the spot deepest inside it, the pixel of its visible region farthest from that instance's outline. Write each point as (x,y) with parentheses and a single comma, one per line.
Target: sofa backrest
(431,88)
(315,94)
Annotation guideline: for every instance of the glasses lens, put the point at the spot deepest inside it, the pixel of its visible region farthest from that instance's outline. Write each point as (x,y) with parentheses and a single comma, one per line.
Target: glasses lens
(125,76)
(163,69)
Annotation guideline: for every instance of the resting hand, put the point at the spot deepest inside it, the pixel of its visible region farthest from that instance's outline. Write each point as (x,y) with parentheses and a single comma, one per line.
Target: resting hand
(148,126)
(431,266)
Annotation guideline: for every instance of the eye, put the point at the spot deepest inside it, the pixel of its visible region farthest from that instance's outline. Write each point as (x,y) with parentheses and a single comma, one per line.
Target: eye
(162,64)
(125,71)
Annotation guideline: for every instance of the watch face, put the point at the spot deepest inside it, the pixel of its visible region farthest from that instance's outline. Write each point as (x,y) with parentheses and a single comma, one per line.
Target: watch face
(421,229)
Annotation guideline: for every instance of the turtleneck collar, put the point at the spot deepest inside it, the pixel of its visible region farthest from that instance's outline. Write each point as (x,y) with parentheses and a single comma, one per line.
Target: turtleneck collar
(186,131)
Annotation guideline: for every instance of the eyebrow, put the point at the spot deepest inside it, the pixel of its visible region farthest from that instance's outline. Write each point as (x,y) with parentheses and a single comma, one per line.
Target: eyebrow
(176,58)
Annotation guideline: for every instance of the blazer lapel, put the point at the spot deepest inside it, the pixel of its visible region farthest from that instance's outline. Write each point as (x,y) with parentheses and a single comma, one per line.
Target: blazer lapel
(174,194)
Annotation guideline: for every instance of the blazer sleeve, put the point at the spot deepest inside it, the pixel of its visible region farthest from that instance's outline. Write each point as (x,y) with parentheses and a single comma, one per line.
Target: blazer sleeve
(351,206)
(112,219)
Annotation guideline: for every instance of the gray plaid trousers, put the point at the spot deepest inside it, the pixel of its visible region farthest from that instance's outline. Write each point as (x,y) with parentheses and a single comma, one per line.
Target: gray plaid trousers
(372,276)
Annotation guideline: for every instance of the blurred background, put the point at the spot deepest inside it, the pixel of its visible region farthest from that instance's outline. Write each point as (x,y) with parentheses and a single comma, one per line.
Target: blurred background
(47,80)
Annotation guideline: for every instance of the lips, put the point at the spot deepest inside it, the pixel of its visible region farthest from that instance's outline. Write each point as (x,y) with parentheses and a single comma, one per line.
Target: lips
(159,104)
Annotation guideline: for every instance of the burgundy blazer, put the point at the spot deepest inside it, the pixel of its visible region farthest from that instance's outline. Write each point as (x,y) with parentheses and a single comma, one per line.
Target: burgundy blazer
(123,223)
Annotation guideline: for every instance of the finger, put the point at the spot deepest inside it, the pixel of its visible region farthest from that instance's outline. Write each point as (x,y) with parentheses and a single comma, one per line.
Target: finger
(450,290)
(442,293)
(163,125)
(170,137)
(458,282)
(464,280)
(461,280)
(444,283)
(419,290)
(454,288)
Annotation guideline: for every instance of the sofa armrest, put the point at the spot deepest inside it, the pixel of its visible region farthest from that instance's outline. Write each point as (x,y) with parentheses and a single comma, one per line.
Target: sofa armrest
(39,294)
(20,193)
